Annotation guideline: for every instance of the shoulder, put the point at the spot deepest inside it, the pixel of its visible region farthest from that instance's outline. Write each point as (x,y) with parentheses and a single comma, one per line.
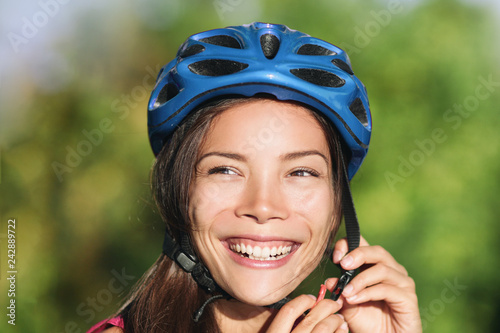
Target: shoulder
(113,325)
(113,330)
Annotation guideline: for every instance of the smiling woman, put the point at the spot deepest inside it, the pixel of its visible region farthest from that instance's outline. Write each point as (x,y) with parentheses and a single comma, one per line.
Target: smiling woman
(257,130)
(268,225)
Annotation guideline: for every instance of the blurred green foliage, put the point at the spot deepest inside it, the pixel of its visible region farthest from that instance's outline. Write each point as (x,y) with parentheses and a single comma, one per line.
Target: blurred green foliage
(432,203)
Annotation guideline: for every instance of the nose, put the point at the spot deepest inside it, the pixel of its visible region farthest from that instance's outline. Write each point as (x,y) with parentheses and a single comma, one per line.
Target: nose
(262,201)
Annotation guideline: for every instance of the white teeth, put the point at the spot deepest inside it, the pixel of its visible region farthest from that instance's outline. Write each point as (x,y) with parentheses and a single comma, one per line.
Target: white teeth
(261,253)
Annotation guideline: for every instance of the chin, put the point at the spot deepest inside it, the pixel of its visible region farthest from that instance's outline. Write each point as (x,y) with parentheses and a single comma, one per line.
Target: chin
(259,301)
(261,294)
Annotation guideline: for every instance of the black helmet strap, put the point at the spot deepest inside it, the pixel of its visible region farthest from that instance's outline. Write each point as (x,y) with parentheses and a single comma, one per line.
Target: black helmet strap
(352,230)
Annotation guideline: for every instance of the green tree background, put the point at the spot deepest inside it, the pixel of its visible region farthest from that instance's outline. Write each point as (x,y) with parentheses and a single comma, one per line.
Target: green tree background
(75,157)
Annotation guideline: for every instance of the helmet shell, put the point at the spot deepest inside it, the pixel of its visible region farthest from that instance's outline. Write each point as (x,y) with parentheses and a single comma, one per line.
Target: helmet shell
(262,58)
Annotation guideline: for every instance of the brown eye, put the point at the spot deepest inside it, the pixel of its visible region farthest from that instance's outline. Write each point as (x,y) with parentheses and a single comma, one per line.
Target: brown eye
(304,172)
(224,170)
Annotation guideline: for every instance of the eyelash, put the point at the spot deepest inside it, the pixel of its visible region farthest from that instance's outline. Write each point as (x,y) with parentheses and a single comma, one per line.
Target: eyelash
(310,171)
(219,169)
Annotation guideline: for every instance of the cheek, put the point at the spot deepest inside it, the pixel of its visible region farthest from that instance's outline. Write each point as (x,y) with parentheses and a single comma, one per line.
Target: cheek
(316,204)
(203,210)
(318,207)
(208,200)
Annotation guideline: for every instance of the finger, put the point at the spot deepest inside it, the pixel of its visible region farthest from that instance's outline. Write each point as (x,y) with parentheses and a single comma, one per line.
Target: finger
(370,255)
(342,247)
(378,274)
(330,283)
(402,304)
(344,327)
(332,323)
(288,314)
(322,315)
(340,250)
(398,299)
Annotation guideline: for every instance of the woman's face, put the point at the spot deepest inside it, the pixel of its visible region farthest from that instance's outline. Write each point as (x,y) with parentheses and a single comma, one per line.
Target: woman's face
(262,202)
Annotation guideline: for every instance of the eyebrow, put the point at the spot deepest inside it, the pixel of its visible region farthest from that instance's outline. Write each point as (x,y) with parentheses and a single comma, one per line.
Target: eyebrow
(299,154)
(284,157)
(233,156)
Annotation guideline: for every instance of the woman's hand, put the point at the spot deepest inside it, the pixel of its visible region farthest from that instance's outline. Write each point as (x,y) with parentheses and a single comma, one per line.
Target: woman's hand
(381,298)
(321,318)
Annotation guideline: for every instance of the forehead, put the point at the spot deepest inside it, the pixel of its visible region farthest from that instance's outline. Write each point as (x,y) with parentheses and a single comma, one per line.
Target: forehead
(266,124)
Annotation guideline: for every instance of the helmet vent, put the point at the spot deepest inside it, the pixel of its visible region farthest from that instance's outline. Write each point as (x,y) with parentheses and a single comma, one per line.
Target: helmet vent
(216,67)
(315,50)
(166,93)
(343,66)
(358,109)
(318,77)
(191,50)
(270,45)
(222,40)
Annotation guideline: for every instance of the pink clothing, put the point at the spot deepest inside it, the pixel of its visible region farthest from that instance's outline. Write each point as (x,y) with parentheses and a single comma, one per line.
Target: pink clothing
(101,326)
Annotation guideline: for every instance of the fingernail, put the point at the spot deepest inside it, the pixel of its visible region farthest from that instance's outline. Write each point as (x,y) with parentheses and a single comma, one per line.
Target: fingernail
(341,316)
(352,298)
(312,296)
(347,290)
(344,327)
(337,255)
(347,261)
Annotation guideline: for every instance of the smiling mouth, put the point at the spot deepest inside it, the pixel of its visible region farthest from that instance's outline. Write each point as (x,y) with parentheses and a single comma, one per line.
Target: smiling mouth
(263,253)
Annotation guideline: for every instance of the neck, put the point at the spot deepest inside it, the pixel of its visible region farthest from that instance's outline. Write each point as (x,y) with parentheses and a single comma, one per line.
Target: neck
(235,316)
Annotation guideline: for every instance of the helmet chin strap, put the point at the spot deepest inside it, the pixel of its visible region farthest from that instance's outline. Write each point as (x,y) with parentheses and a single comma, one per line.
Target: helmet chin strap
(352,230)
(184,256)
(186,259)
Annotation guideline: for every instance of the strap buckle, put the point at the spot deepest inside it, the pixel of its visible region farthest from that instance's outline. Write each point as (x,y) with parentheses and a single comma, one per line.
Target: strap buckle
(345,278)
(174,252)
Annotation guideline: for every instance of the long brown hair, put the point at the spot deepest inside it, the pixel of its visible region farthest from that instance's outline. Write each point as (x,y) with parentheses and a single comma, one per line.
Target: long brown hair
(165,298)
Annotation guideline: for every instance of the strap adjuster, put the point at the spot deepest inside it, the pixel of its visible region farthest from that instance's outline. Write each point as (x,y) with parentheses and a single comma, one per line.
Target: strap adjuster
(345,278)
(184,261)
(174,252)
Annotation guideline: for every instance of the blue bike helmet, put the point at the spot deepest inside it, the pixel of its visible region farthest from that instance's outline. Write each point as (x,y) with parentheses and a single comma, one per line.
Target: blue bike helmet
(262,58)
